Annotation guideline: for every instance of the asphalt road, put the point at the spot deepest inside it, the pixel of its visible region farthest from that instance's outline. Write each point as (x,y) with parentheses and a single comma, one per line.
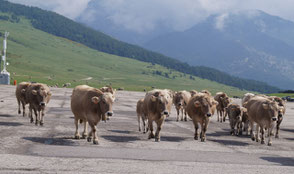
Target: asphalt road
(26,148)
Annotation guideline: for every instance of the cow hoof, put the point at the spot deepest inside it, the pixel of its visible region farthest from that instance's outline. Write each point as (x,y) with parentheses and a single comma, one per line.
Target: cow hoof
(19,112)
(89,139)
(151,136)
(186,119)
(107,118)
(182,119)
(253,138)
(196,138)
(84,136)
(262,142)
(36,123)
(144,132)
(277,136)
(95,141)
(32,120)
(41,123)
(77,137)
(177,120)
(157,139)
(203,140)
(257,139)
(269,143)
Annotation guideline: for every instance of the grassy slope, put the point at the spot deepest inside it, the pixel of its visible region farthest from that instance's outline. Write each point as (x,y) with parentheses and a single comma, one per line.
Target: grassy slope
(35,56)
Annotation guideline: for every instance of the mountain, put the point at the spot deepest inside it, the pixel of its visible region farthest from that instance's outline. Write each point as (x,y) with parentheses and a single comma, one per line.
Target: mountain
(34,55)
(248,44)
(60,26)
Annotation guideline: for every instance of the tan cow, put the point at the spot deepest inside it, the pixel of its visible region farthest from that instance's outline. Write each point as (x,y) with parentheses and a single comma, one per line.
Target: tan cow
(223,101)
(38,96)
(245,121)
(89,104)
(156,108)
(234,112)
(20,94)
(199,110)
(264,113)
(247,97)
(141,115)
(181,100)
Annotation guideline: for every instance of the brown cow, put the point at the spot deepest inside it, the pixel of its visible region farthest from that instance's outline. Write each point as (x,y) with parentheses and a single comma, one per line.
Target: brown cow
(89,105)
(282,105)
(181,100)
(199,110)
(234,112)
(223,101)
(141,115)
(38,96)
(193,92)
(156,108)
(245,121)
(265,113)
(20,94)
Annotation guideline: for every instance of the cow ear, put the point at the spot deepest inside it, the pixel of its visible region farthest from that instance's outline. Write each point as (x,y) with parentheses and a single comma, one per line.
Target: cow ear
(34,92)
(95,100)
(49,93)
(23,91)
(153,98)
(244,109)
(265,106)
(197,104)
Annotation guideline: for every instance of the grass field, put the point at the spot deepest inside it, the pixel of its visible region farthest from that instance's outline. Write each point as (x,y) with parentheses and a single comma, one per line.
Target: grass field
(34,55)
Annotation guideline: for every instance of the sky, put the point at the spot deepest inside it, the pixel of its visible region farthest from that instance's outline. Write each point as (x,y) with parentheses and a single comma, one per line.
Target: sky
(145,15)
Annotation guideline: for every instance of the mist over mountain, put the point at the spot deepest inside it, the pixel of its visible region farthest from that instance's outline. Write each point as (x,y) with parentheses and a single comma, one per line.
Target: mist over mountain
(249,44)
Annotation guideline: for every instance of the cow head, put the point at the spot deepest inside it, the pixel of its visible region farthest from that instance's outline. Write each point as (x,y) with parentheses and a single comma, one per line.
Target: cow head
(179,100)
(160,102)
(41,96)
(204,105)
(225,101)
(236,112)
(105,103)
(273,109)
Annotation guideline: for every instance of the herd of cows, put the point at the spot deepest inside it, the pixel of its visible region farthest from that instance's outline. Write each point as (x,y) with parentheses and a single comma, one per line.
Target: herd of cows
(91,105)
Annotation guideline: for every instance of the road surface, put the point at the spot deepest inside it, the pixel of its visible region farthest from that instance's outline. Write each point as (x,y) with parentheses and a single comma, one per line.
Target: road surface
(26,148)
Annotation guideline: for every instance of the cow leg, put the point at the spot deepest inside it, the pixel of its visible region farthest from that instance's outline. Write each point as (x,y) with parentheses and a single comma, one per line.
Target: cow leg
(150,125)
(85,133)
(251,131)
(18,102)
(221,116)
(196,129)
(186,119)
(280,119)
(182,112)
(178,114)
(262,135)
(77,134)
(159,126)
(257,133)
(95,138)
(144,125)
(31,114)
(217,111)
(239,128)
(89,139)
(139,117)
(42,118)
(232,124)
(23,109)
(269,135)
(36,116)
(204,129)
(224,116)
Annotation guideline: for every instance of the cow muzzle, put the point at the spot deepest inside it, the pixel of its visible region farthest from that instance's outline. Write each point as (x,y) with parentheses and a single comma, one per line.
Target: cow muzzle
(208,114)
(42,104)
(109,114)
(274,118)
(165,112)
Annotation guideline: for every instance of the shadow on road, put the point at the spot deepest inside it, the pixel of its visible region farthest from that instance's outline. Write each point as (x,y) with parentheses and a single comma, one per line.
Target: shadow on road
(6,115)
(120,139)
(230,142)
(290,139)
(285,161)
(219,134)
(288,130)
(121,131)
(52,141)
(10,124)
(172,138)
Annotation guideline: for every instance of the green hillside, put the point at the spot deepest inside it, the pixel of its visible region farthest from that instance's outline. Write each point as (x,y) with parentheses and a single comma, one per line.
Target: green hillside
(35,55)
(61,26)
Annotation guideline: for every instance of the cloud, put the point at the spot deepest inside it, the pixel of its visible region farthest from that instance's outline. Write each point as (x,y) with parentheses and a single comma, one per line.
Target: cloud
(146,15)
